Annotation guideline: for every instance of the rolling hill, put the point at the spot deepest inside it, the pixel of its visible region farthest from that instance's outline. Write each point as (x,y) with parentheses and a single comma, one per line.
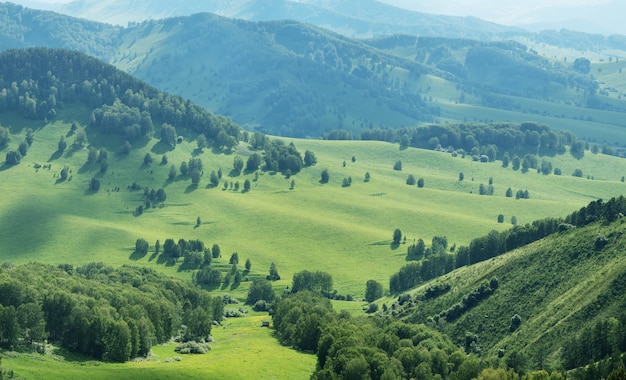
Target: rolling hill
(293,79)
(52,212)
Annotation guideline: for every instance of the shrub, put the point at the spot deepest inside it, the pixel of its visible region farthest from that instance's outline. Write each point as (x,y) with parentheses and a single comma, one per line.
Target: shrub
(193,348)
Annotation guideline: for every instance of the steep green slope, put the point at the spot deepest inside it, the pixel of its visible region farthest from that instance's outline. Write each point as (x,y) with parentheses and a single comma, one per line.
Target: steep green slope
(558,287)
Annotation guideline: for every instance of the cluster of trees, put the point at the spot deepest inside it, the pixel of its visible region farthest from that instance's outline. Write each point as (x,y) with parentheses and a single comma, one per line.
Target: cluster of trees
(469,300)
(363,348)
(606,339)
(418,250)
(496,243)
(37,81)
(502,136)
(106,313)
(284,158)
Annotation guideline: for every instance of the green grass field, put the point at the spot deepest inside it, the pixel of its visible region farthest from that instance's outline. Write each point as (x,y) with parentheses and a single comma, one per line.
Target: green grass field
(345,231)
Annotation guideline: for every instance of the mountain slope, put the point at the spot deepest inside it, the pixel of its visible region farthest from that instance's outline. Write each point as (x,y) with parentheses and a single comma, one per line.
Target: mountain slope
(558,287)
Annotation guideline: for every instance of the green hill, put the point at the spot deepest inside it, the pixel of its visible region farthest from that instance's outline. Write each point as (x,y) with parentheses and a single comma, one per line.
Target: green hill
(293,79)
(117,134)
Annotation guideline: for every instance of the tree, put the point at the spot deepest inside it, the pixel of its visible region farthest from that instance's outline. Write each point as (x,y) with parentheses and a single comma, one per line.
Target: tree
(198,222)
(126,148)
(461,176)
(248,265)
(172,173)
(500,218)
(184,168)
(201,141)
(309,158)
(513,220)
(216,251)
(325,176)
(164,160)
(94,184)
(293,184)
(168,135)
(582,65)
(147,159)
(367,177)
(5,137)
(260,290)
(62,144)
(160,195)
(234,258)
(81,139)
(373,290)
(23,148)
(13,157)
(237,164)
(65,172)
(420,183)
(141,246)
(509,193)
(397,236)
(411,180)
(246,185)
(254,162)
(397,165)
(214,179)
(195,177)
(273,276)
(578,173)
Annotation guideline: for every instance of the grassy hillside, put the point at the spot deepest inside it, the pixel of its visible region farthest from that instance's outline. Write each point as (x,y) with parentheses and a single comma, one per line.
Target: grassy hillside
(345,231)
(559,286)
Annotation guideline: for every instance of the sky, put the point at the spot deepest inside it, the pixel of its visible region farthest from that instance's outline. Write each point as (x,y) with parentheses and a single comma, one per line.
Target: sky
(591,16)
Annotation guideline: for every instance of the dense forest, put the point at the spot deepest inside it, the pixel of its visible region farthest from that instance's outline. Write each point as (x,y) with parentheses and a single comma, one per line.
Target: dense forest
(106,313)
(36,82)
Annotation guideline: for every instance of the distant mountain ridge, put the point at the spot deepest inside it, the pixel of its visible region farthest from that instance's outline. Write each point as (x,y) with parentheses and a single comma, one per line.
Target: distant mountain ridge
(294,79)
(353,18)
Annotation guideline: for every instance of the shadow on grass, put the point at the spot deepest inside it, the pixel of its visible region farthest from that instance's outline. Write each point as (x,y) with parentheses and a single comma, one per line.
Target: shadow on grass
(161,148)
(153,256)
(55,156)
(5,166)
(137,255)
(394,246)
(191,188)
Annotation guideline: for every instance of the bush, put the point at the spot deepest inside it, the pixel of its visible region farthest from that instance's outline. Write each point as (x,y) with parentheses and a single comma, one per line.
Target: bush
(193,348)
(372,308)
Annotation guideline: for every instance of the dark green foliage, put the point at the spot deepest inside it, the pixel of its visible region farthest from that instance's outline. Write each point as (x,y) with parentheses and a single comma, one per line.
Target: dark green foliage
(582,65)
(420,183)
(216,251)
(577,173)
(416,251)
(147,159)
(280,157)
(237,164)
(184,168)
(234,258)
(122,105)
(469,301)
(192,348)
(201,141)
(318,282)
(62,144)
(13,157)
(23,148)
(373,290)
(195,176)
(260,289)
(509,192)
(273,275)
(172,173)
(500,218)
(325,176)
(254,162)
(411,181)
(94,184)
(246,185)
(397,165)
(65,172)
(347,182)
(397,236)
(120,315)
(208,277)
(5,137)
(367,177)
(309,158)
(516,321)
(461,176)
(141,246)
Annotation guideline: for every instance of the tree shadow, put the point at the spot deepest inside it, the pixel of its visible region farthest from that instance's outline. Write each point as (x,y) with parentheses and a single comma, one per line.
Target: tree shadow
(394,246)
(55,156)
(135,256)
(186,267)
(90,192)
(59,180)
(191,188)
(161,148)
(5,166)
(234,173)
(196,152)
(153,256)
(234,286)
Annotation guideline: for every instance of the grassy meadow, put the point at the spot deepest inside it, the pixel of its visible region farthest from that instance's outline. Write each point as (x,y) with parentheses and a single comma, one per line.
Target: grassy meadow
(345,231)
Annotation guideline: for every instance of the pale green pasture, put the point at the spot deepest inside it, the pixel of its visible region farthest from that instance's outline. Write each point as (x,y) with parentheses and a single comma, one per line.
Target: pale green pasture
(242,350)
(345,231)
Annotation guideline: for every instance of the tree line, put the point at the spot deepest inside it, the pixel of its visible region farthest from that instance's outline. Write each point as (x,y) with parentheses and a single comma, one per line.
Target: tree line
(112,314)
(496,243)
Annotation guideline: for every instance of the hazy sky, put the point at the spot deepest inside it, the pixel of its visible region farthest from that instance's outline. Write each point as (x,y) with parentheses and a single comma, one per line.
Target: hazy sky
(595,16)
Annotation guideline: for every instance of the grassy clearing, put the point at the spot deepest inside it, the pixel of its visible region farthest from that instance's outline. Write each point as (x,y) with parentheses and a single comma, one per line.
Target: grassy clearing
(242,349)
